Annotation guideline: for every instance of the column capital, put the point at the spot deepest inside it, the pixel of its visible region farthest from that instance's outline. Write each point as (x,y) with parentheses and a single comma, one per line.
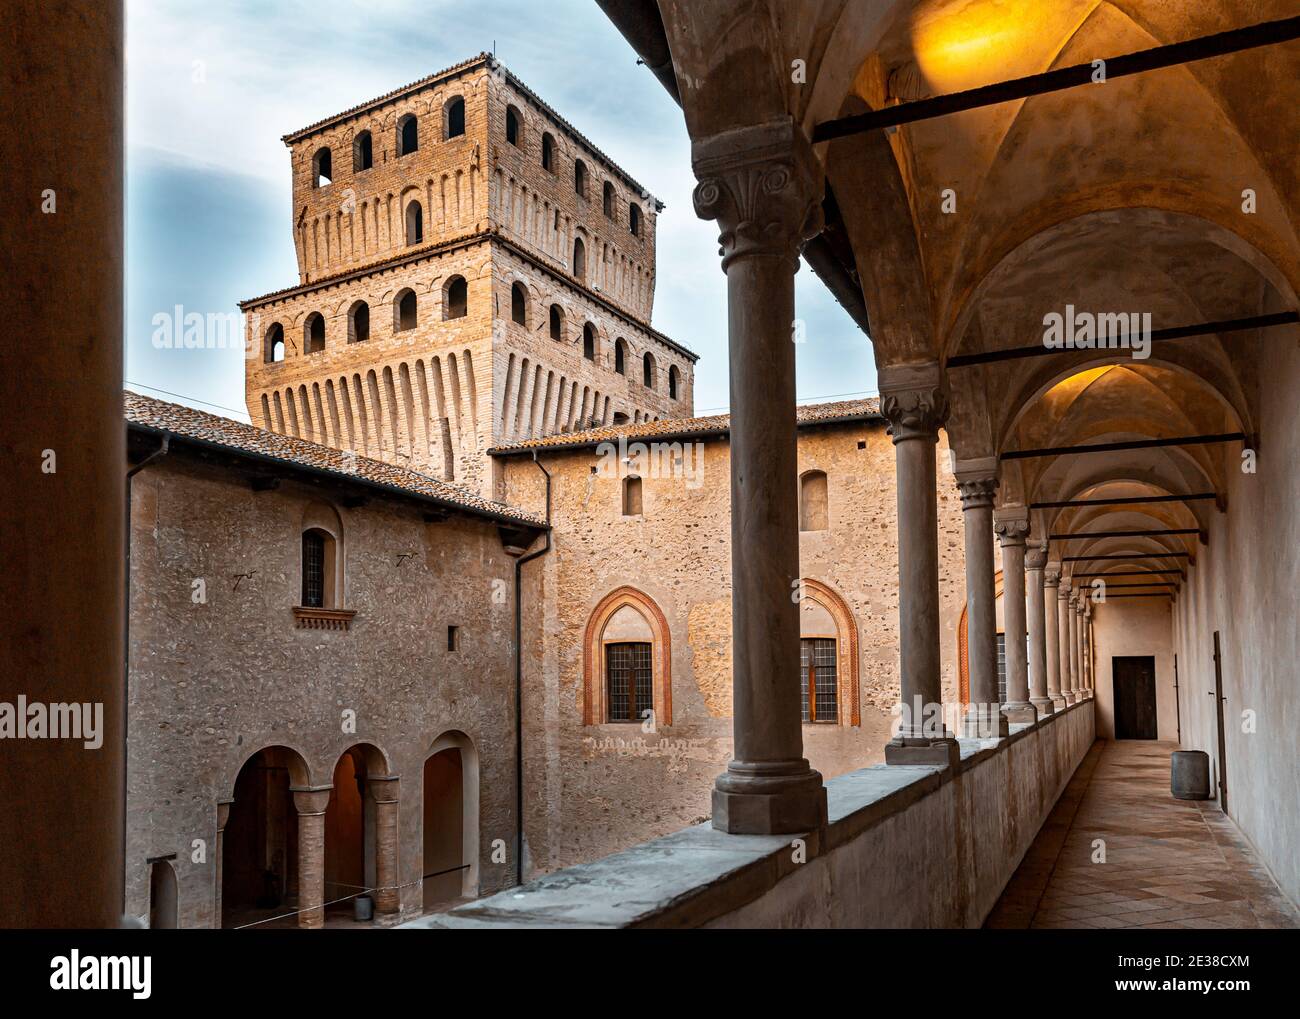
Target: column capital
(311,799)
(1011,525)
(1052,575)
(1036,558)
(763,185)
(977,481)
(913,399)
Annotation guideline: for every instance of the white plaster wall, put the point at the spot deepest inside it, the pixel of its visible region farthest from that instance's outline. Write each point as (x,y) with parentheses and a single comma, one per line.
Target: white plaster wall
(1245,585)
(1135,626)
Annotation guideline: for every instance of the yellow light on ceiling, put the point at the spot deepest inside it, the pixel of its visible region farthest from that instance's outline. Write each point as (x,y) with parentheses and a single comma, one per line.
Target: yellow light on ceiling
(975,43)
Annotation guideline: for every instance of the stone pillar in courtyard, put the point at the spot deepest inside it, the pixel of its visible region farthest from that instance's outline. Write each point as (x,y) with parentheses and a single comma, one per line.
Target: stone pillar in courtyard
(1087,646)
(311,804)
(914,400)
(1066,614)
(218,847)
(1039,695)
(1052,624)
(763,186)
(384,791)
(977,481)
(1012,526)
(1076,645)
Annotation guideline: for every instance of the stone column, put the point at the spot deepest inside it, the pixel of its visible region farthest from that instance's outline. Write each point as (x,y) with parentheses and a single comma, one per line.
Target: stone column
(915,403)
(1012,526)
(311,803)
(1065,614)
(384,791)
(1052,624)
(977,482)
(1088,663)
(1039,697)
(1076,643)
(223,815)
(763,185)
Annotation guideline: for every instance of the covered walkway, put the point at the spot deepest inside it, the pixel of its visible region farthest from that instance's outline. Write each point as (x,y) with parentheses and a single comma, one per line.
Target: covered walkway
(1168,863)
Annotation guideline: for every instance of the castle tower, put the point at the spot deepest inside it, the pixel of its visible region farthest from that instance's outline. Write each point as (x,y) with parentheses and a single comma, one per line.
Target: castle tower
(472,271)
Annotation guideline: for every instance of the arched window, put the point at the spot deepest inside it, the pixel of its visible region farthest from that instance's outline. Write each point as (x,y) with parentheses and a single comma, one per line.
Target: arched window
(557,322)
(580,177)
(359,322)
(627,661)
(674,378)
(609,200)
(814,510)
(456,298)
(828,663)
(313,334)
(408,135)
(634,218)
(620,356)
(404,311)
(322,171)
(518,305)
(317,569)
(632,496)
(363,156)
(512,126)
(414,223)
(162,896)
(648,370)
(589,342)
(548,152)
(322,557)
(579,258)
(273,345)
(454,117)
(620,418)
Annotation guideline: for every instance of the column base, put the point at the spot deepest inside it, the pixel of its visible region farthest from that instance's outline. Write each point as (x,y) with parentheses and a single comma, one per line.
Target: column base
(1043,705)
(979,724)
(943,751)
(1070,697)
(1021,711)
(769,798)
(1058,702)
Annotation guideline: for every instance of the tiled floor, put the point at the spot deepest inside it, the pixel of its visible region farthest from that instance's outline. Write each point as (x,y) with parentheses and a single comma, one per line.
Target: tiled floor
(1168,862)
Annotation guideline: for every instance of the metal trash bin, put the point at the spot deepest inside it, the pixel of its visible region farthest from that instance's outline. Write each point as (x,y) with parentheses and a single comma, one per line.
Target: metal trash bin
(1189,775)
(363,908)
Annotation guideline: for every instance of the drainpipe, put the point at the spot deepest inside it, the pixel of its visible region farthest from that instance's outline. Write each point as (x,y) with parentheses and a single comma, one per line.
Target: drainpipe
(157,454)
(519,680)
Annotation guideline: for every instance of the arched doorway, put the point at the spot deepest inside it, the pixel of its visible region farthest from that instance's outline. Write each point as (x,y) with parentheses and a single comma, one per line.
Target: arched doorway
(351,826)
(450,820)
(162,896)
(259,865)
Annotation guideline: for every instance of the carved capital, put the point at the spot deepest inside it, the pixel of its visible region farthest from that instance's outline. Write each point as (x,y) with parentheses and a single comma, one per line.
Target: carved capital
(1036,557)
(977,493)
(764,187)
(1052,575)
(914,400)
(1011,525)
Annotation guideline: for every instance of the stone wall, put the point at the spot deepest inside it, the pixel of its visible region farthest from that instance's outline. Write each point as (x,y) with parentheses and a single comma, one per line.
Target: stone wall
(595,789)
(213,682)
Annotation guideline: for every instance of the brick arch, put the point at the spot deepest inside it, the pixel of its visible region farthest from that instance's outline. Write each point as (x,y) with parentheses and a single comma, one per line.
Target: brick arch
(963,644)
(593,661)
(847,646)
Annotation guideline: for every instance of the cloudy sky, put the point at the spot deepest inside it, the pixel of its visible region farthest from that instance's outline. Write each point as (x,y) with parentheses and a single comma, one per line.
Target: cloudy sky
(211,88)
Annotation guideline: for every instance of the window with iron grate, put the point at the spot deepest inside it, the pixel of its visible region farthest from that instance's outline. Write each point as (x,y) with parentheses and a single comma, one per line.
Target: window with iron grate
(818,679)
(313,570)
(629,679)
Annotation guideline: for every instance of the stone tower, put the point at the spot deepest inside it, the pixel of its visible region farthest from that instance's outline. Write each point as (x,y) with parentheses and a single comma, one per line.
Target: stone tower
(472,271)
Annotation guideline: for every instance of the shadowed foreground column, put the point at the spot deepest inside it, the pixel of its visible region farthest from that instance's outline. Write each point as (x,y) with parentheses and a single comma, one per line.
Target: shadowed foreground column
(915,403)
(311,804)
(1012,525)
(977,482)
(763,186)
(1040,694)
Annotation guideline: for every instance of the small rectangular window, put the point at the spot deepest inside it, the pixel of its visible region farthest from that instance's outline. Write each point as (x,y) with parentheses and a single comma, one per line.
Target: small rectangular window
(453,638)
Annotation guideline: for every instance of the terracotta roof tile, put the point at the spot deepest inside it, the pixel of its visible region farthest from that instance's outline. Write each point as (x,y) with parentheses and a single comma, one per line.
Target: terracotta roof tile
(716,424)
(187,423)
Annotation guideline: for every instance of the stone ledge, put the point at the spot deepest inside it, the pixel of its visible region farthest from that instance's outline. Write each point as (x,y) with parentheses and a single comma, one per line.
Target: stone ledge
(696,875)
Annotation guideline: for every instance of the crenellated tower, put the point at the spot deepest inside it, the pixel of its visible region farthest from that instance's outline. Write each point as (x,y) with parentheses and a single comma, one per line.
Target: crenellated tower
(472,271)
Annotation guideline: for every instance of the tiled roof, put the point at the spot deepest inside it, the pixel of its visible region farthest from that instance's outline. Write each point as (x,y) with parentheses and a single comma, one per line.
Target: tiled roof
(716,424)
(235,436)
